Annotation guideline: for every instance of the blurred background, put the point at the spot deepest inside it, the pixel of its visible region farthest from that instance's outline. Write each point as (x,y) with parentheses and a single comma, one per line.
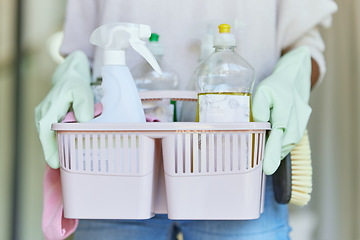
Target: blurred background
(26,66)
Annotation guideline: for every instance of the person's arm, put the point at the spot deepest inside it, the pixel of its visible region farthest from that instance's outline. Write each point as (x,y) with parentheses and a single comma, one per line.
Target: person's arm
(315,69)
(315,72)
(298,25)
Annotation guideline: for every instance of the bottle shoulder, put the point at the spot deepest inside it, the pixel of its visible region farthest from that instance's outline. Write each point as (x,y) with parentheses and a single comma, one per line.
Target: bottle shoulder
(146,78)
(220,62)
(227,57)
(224,71)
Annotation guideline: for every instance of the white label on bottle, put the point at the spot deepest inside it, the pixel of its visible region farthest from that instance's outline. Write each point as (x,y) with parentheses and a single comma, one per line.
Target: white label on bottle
(224,108)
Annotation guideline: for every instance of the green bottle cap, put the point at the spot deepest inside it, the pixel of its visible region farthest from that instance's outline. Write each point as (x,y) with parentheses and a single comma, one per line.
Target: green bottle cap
(154,37)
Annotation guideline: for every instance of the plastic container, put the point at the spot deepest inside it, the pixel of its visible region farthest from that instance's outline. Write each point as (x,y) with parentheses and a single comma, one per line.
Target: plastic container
(121,102)
(114,170)
(224,82)
(209,173)
(147,79)
(116,179)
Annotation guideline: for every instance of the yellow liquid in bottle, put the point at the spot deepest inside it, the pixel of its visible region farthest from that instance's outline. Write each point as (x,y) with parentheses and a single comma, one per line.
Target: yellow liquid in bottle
(250,115)
(224,93)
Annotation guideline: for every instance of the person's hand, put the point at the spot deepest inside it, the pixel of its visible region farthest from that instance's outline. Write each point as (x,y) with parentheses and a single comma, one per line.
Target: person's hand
(71,88)
(282,99)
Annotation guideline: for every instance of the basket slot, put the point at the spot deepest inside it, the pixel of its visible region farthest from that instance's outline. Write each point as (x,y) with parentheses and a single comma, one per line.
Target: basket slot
(235,152)
(227,153)
(134,155)
(59,140)
(187,156)
(255,147)
(219,157)
(111,153)
(87,151)
(211,153)
(125,156)
(249,147)
(119,167)
(259,152)
(63,152)
(180,162)
(66,150)
(262,147)
(72,151)
(195,155)
(101,160)
(95,153)
(203,155)
(79,160)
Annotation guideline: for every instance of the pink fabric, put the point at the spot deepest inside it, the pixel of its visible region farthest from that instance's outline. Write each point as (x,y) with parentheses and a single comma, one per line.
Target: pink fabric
(151,118)
(70,116)
(54,225)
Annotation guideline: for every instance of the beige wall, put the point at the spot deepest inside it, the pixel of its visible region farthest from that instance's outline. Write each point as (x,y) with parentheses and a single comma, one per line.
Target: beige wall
(6,118)
(336,131)
(41,19)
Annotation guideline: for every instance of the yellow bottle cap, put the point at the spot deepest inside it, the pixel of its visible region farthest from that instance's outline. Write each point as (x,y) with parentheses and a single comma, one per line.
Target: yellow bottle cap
(224,28)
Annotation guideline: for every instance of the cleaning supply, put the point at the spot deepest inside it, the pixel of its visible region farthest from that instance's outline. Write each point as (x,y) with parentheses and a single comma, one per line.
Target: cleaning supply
(146,79)
(301,171)
(292,181)
(189,108)
(283,99)
(70,87)
(224,83)
(121,101)
(54,225)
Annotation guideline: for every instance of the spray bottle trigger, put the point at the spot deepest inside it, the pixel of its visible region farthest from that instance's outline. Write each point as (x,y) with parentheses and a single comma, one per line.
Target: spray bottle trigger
(140,47)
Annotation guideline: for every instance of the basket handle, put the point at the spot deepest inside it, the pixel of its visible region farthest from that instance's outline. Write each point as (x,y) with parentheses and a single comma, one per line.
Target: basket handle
(175,95)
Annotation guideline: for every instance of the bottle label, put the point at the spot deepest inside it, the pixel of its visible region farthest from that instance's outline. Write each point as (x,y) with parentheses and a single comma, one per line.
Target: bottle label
(224,107)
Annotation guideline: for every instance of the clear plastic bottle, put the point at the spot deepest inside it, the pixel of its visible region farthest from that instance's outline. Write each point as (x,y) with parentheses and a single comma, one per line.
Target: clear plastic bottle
(146,79)
(224,83)
(189,108)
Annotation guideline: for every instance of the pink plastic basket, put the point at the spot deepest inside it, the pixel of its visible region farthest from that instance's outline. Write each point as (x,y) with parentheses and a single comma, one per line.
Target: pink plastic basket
(189,170)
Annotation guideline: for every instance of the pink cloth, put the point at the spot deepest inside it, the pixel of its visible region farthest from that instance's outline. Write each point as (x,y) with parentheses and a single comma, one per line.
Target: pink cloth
(54,225)
(70,116)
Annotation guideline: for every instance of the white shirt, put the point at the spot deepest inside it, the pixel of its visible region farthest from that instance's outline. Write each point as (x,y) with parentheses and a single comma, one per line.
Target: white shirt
(263,28)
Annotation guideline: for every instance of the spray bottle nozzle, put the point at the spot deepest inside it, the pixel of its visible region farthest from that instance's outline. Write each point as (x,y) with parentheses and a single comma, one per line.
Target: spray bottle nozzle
(114,38)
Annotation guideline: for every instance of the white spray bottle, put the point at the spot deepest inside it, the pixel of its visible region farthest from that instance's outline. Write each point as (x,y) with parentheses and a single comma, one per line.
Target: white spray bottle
(121,101)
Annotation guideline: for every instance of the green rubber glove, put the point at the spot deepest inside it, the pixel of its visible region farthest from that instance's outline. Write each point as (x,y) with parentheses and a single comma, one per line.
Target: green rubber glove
(71,87)
(282,99)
